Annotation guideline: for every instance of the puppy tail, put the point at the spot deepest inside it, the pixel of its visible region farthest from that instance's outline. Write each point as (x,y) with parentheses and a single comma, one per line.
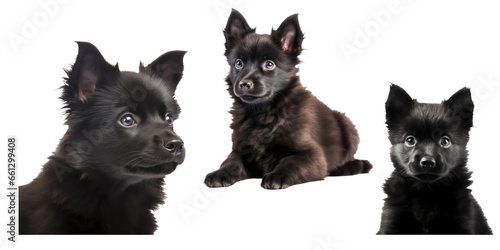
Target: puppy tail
(352,167)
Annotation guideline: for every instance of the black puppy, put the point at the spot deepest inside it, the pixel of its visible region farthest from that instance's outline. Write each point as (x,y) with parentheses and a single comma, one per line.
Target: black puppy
(107,173)
(281,132)
(428,191)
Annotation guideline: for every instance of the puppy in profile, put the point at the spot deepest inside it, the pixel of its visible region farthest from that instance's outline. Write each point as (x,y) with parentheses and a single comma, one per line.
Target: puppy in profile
(106,175)
(281,132)
(428,191)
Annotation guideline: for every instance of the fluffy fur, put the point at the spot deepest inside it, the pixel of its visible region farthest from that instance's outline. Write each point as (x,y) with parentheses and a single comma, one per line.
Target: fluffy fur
(281,132)
(107,173)
(428,191)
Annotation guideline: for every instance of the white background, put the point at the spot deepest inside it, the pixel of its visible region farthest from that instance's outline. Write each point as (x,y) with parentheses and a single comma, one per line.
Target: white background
(430,48)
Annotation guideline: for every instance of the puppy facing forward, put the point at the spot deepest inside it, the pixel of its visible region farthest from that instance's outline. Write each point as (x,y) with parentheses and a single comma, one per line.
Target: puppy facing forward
(281,132)
(107,173)
(428,191)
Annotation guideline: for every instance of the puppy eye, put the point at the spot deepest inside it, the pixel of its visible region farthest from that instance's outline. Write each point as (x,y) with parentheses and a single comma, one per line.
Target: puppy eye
(238,64)
(127,120)
(445,142)
(169,119)
(410,141)
(269,65)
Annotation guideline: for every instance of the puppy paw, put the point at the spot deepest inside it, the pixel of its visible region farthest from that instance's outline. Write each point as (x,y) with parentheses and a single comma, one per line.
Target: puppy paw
(275,181)
(219,178)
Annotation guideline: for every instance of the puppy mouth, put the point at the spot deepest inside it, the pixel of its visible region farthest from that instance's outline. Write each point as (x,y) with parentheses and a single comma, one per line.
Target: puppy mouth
(156,170)
(427,177)
(253,99)
(249,99)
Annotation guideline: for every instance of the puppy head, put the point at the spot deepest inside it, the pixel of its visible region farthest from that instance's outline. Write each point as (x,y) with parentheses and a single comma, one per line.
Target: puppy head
(121,123)
(428,140)
(261,65)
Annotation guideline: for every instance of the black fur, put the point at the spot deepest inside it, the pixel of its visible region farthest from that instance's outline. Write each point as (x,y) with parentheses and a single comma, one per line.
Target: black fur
(107,173)
(281,132)
(428,191)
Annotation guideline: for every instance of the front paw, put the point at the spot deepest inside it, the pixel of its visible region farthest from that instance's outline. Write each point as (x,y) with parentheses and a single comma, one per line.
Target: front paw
(219,178)
(275,181)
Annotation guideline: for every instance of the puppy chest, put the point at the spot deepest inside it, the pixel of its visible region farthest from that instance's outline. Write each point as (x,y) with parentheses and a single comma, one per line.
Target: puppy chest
(264,146)
(431,215)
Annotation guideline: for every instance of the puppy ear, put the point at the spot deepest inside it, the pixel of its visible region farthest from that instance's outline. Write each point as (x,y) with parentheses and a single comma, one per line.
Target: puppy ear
(236,28)
(398,104)
(86,74)
(289,36)
(462,106)
(168,66)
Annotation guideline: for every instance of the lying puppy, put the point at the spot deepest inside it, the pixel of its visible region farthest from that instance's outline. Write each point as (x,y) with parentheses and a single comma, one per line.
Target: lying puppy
(281,132)
(427,192)
(107,173)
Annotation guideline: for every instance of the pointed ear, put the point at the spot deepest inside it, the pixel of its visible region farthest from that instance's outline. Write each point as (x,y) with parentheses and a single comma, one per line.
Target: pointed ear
(398,104)
(462,106)
(86,73)
(289,36)
(236,28)
(168,66)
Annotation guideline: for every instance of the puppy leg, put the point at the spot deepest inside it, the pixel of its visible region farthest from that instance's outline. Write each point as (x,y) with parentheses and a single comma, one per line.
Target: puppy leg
(396,221)
(231,171)
(296,169)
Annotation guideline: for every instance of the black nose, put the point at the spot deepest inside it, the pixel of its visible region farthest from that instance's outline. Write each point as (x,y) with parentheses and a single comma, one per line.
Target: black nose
(427,162)
(245,85)
(175,147)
